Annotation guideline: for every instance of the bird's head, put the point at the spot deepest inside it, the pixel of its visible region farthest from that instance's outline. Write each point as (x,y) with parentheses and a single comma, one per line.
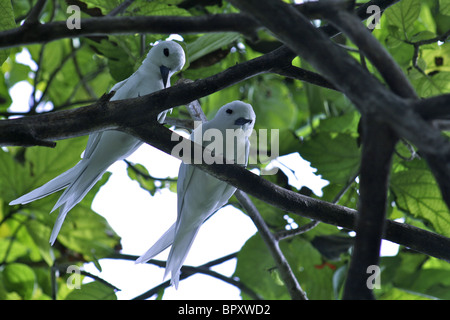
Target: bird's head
(236,115)
(168,57)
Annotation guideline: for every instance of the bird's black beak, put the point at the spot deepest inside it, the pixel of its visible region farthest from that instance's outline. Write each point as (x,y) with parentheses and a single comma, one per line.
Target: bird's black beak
(242,121)
(164,75)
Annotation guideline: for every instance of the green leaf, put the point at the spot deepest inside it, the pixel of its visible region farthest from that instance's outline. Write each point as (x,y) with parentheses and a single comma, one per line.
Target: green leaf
(87,232)
(19,278)
(257,270)
(336,156)
(6,22)
(41,165)
(346,123)
(120,62)
(83,231)
(401,294)
(314,274)
(157,8)
(93,291)
(208,43)
(273,105)
(5,98)
(403,15)
(411,275)
(417,193)
(18,72)
(433,84)
(144,182)
(444,7)
(40,234)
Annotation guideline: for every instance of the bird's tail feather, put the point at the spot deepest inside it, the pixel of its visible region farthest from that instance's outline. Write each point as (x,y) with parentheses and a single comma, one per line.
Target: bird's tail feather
(163,243)
(54,185)
(77,181)
(178,253)
(86,178)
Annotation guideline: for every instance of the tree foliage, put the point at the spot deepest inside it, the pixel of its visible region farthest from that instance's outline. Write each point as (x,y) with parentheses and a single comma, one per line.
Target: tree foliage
(317,121)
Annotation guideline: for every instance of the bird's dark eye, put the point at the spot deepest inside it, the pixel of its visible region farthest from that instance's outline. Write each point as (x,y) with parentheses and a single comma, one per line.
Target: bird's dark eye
(229,111)
(166,52)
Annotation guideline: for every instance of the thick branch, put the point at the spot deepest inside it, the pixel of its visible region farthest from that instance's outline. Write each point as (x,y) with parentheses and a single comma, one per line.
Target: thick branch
(41,33)
(44,128)
(439,162)
(38,33)
(370,46)
(362,88)
(377,149)
(85,120)
(289,201)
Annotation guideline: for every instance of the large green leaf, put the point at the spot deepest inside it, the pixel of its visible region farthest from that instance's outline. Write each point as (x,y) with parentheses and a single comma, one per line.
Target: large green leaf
(208,43)
(40,166)
(6,22)
(417,193)
(5,98)
(83,231)
(444,7)
(433,84)
(256,269)
(336,156)
(414,276)
(401,17)
(273,105)
(18,278)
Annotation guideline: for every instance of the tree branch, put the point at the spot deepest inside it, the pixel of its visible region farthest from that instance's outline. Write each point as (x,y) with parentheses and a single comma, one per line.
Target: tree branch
(127,25)
(187,271)
(41,33)
(286,273)
(362,88)
(377,149)
(298,34)
(104,115)
(415,238)
(35,12)
(369,45)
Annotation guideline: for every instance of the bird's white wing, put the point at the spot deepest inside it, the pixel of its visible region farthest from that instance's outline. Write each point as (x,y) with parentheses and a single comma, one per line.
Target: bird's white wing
(184,177)
(94,139)
(117,86)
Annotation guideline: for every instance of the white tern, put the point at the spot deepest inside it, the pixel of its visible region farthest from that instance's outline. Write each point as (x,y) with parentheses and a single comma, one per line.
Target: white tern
(199,195)
(106,147)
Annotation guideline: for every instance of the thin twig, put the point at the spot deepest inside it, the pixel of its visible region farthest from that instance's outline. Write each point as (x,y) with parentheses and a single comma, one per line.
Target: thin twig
(187,271)
(281,235)
(295,290)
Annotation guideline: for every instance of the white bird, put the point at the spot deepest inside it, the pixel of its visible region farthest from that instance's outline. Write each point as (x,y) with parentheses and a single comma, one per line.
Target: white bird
(106,147)
(199,194)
